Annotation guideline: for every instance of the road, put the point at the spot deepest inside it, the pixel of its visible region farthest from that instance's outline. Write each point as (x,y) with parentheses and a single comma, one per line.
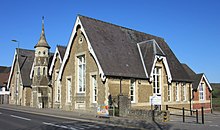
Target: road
(17,120)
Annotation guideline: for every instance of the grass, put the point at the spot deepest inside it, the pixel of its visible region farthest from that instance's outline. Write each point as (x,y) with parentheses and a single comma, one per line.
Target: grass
(216,104)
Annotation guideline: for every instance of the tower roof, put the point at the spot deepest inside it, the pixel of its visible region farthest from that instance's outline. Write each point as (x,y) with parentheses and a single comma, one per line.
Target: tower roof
(42,41)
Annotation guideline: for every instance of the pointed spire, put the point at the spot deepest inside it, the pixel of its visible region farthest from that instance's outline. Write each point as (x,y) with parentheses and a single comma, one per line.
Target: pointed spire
(42,42)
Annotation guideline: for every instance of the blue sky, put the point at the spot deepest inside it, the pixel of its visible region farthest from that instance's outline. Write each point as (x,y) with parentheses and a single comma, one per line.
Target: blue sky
(190,27)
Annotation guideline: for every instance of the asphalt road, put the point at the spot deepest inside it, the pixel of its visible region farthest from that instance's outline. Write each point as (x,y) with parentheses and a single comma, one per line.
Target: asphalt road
(16,120)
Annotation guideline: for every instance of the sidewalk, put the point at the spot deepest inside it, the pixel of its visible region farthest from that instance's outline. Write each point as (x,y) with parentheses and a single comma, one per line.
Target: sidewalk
(89,117)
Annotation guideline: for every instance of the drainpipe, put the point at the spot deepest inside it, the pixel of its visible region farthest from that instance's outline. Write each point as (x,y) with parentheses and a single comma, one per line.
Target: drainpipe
(120,86)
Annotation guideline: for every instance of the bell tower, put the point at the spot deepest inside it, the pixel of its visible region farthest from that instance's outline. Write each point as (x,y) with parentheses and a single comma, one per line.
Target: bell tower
(40,88)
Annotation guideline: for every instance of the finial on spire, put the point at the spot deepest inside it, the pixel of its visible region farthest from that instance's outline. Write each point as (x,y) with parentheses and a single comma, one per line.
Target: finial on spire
(43,25)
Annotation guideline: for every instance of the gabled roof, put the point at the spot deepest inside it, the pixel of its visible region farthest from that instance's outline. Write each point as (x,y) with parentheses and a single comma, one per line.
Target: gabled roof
(60,51)
(149,49)
(115,50)
(25,59)
(197,78)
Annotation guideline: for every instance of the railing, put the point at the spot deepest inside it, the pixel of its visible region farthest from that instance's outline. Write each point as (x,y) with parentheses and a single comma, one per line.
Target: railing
(191,111)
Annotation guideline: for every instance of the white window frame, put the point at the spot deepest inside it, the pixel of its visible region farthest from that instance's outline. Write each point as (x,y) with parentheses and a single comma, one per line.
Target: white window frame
(94,88)
(202,92)
(132,90)
(81,80)
(177,92)
(68,89)
(56,85)
(184,92)
(157,82)
(169,92)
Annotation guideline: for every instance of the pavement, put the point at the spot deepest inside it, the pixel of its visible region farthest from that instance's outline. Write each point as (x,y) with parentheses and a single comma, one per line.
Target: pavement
(84,116)
(212,121)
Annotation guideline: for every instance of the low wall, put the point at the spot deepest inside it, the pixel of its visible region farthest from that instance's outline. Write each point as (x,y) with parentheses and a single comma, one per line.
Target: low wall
(150,115)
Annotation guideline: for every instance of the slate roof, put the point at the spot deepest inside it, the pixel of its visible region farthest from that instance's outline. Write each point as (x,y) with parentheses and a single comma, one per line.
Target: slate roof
(62,50)
(26,59)
(42,41)
(195,77)
(117,52)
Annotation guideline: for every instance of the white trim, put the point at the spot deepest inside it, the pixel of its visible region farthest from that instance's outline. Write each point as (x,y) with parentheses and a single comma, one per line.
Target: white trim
(142,59)
(32,70)
(166,67)
(134,90)
(53,61)
(69,95)
(12,69)
(155,60)
(67,53)
(206,80)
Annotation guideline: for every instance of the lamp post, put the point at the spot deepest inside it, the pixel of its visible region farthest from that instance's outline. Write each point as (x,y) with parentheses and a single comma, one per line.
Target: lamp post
(17,77)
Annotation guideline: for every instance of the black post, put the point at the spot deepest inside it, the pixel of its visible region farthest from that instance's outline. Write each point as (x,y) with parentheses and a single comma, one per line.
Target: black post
(202,115)
(183,115)
(197,116)
(120,86)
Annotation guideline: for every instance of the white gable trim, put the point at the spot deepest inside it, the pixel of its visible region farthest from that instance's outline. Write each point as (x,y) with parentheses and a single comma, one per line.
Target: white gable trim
(166,67)
(206,80)
(32,71)
(67,53)
(12,69)
(53,61)
(142,59)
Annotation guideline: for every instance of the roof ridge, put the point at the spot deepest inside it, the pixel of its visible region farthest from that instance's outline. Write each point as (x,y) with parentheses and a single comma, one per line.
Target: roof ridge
(120,26)
(24,49)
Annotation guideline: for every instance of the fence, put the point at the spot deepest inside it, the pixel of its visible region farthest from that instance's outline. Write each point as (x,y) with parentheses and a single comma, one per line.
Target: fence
(191,115)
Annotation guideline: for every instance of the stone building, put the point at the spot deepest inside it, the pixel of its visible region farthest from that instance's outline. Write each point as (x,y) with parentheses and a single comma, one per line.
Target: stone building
(53,72)
(19,82)
(104,59)
(101,62)
(41,90)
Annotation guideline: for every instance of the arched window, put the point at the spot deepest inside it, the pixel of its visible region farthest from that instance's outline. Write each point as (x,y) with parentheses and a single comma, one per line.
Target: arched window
(38,71)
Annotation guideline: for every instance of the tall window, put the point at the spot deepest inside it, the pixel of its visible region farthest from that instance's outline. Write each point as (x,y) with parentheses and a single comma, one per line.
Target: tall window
(157,80)
(177,91)
(69,90)
(38,71)
(169,93)
(132,90)
(94,89)
(201,91)
(57,87)
(184,92)
(81,73)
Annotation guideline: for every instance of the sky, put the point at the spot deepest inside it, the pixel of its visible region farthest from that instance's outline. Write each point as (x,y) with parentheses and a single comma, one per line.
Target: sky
(190,27)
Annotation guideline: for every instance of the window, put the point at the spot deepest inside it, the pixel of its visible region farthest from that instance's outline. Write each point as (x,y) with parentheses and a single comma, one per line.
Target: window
(184,92)
(156,80)
(57,87)
(201,92)
(169,93)
(69,90)
(177,91)
(80,39)
(94,89)
(132,90)
(38,71)
(58,92)
(81,73)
